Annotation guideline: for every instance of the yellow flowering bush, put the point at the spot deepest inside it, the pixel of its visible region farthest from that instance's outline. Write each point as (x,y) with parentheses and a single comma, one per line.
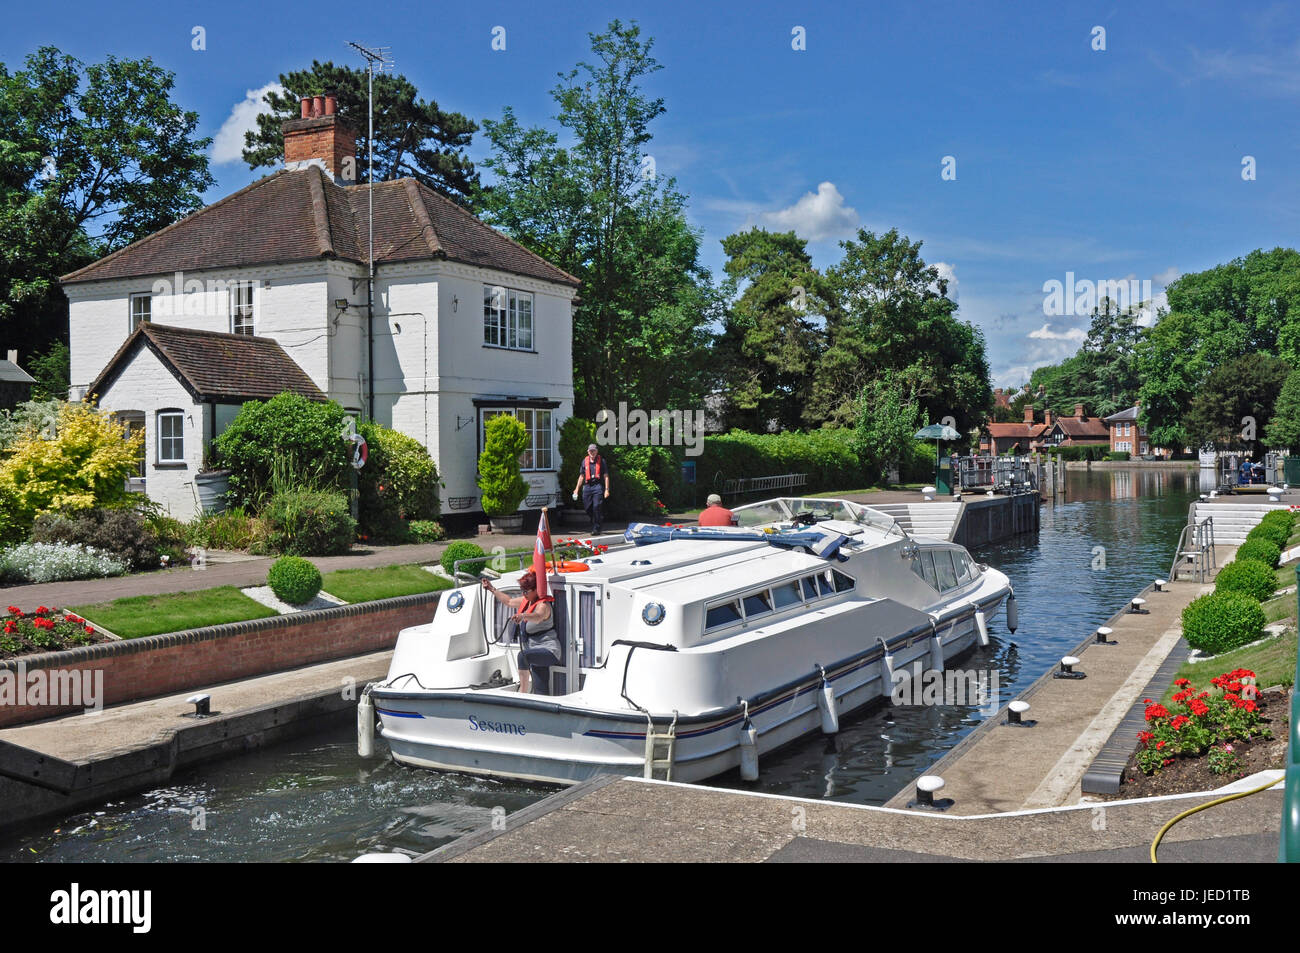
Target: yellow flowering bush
(82,464)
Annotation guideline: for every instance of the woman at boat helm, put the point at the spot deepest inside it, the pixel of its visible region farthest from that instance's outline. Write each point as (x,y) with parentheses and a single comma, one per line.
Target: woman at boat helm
(539,647)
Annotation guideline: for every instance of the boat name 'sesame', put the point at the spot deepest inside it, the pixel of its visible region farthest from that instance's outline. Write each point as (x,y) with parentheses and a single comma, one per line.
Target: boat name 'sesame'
(743,637)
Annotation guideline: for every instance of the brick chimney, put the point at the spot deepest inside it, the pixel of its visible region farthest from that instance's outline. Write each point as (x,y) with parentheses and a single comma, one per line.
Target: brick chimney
(1078,411)
(320,137)
(1048,417)
(1029,413)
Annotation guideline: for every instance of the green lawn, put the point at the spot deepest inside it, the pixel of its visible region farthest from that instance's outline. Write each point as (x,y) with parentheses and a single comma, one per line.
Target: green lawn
(138,616)
(1279,607)
(1273,663)
(385,582)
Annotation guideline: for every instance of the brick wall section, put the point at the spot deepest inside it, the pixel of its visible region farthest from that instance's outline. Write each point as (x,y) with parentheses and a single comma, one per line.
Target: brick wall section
(198,658)
(321,137)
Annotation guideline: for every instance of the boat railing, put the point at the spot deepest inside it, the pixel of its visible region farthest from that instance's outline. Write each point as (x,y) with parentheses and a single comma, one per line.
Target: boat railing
(786,508)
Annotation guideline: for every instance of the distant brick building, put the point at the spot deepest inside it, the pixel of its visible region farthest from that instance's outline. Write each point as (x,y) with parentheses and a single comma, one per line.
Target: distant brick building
(1030,435)
(1126,434)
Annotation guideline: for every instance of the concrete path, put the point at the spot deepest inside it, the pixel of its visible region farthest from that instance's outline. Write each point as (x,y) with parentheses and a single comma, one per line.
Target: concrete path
(631,820)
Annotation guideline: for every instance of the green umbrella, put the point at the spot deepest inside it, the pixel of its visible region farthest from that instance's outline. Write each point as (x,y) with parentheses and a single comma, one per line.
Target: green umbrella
(936,432)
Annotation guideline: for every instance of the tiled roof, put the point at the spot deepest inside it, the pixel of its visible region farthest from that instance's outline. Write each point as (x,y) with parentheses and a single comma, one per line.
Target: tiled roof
(1015,430)
(1077,428)
(303,215)
(216,367)
(9,371)
(1120,416)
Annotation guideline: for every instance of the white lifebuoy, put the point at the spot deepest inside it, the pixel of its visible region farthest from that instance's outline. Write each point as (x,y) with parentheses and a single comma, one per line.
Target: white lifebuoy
(360,451)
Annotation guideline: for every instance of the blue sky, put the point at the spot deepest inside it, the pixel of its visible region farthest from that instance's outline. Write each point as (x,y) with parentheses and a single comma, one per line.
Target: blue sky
(1122,163)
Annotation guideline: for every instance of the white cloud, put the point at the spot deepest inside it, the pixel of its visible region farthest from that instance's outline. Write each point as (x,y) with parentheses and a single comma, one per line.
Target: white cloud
(1166,277)
(1045,333)
(949,273)
(228,143)
(819,216)
(1013,378)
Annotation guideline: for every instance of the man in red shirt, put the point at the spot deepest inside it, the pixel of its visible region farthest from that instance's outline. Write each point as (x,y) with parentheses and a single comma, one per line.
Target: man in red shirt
(716,514)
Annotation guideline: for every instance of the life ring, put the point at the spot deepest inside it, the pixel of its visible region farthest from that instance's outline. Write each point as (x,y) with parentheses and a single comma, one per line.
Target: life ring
(360,451)
(567,565)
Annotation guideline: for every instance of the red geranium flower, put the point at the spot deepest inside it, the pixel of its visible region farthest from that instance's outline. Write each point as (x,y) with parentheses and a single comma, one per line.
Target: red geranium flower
(1181,681)
(1145,737)
(42,610)
(1156,711)
(1178,722)
(1159,745)
(14,610)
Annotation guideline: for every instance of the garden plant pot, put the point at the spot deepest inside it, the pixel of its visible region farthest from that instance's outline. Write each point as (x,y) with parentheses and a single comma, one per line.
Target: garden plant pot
(514,523)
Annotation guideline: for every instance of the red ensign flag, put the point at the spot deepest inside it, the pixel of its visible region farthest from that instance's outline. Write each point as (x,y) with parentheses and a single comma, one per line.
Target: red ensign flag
(539,556)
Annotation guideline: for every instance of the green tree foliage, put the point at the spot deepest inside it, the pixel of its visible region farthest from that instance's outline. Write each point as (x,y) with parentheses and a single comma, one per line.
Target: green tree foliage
(886,309)
(298,439)
(1103,375)
(499,479)
(576,435)
(1250,305)
(413,137)
(52,371)
(598,210)
(91,159)
(769,345)
(1235,395)
(887,420)
(1283,430)
(398,483)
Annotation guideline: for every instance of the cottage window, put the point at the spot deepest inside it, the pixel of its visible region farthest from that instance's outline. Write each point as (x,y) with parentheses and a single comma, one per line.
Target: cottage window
(537,423)
(141,309)
(171,436)
(241,308)
(507,318)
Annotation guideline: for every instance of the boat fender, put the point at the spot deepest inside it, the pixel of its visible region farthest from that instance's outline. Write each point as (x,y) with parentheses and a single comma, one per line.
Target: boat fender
(936,652)
(886,666)
(982,626)
(366,726)
(826,704)
(748,749)
(1013,613)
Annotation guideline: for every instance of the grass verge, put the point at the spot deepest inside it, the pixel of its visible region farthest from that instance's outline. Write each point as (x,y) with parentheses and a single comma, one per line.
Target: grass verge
(138,616)
(385,582)
(1273,663)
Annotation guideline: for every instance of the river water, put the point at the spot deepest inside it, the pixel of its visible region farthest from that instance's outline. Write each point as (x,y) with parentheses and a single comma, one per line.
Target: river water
(313,799)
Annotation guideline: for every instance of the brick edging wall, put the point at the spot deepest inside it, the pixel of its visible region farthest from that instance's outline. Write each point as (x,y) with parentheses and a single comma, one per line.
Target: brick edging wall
(155,665)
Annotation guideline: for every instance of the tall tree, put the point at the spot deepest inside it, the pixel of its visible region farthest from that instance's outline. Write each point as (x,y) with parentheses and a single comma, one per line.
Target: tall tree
(768,349)
(1284,429)
(598,209)
(91,159)
(1234,404)
(413,137)
(887,309)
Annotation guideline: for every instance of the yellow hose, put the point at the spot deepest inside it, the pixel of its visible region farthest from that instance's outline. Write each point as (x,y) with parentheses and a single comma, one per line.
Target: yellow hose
(1222,800)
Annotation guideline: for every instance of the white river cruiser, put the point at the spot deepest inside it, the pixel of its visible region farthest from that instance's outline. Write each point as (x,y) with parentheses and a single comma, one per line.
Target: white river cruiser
(688,652)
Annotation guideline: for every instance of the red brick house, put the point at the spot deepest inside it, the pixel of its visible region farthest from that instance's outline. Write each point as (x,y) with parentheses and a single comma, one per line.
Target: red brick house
(1077,431)
(1126,435)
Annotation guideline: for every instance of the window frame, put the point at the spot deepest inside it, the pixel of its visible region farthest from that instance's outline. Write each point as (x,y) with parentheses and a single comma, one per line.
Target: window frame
(238,309)
(531,427)
(504,320)
(159,417)
(132,322)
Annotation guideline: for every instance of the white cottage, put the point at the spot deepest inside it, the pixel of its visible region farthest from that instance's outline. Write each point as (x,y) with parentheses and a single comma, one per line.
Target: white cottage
(466,323)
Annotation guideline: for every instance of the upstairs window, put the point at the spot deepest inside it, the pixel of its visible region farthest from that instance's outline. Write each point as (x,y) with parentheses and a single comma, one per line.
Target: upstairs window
(507,318)
(141,309)
(241,308)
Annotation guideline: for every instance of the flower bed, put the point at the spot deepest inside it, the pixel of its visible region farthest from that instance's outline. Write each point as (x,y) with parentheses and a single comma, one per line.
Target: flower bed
(45,630)
(1202,721)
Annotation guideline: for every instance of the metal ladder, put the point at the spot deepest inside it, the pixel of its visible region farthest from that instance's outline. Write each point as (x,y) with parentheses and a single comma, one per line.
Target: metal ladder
(660,751)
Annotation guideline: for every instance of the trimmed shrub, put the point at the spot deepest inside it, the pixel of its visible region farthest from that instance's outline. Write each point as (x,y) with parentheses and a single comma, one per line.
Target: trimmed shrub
(309,523)
(294,580)
(425,531)
(304,438)
(640,478)
(460,550)
(233,529)
(1264,550)
(1282,519)
(499,478)
(1086,452)
(917,466)
(1222,621)
(827,456)
(399,482)
(576,434)
(126,533)
(1272,532)
(1249,576)
(1118,455)
(55,562)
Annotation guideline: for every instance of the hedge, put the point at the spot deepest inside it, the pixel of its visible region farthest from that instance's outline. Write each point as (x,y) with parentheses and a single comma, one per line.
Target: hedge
(1272,532)
(1222,621)
(1248,576)
(1264,550)
(825,455)
(1087,452)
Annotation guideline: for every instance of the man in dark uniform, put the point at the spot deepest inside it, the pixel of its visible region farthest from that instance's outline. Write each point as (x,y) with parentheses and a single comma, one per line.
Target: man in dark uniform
(593,481)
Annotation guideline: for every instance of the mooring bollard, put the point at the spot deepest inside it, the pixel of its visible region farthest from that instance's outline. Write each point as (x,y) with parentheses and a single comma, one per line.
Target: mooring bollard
(202,706)
(926,787)
(1103,635)
(1275,494)
(1014,712)
(1137,606)
(1067,668)
(1160,584)
(928,492)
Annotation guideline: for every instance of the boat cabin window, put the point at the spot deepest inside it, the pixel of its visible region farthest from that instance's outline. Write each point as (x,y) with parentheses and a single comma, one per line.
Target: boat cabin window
(725,614)
(965,568)
(923,566)
(835,581)
(809,584)
(945,570)
(786,594)
(757,603)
